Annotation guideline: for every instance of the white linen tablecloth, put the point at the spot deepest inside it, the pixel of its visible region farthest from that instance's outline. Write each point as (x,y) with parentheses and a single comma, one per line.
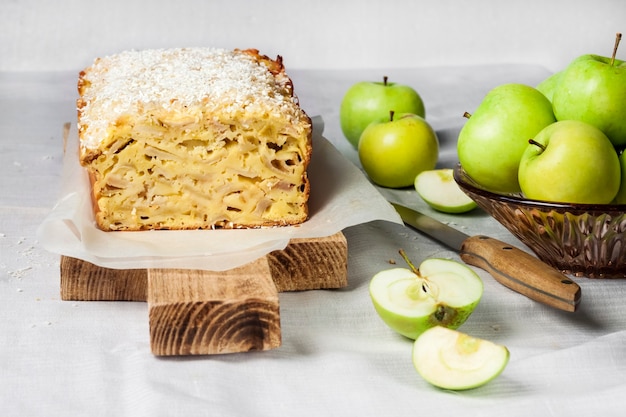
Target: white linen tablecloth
(64,358)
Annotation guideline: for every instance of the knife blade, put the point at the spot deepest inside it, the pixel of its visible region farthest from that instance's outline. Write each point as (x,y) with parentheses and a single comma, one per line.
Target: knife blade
(510,266)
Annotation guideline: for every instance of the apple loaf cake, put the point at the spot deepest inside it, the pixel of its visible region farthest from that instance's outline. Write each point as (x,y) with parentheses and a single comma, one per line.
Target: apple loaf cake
(193,138)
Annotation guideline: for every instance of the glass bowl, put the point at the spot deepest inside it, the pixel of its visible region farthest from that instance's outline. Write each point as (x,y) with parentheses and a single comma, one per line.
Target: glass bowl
(579,239)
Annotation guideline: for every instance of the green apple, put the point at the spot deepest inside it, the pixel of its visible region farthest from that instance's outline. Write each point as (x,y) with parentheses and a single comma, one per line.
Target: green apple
(492,141)
(393,152)
(441,292)
(453,360)
(592,89)
(548,85)
(620,198)
(570,162)
(439,190)
(367,101)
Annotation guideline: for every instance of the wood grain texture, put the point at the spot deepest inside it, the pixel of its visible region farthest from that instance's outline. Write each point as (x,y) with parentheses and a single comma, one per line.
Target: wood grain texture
(522,272)
(202,312)
(194,312)
(305,264)
(84,281)
(308,264)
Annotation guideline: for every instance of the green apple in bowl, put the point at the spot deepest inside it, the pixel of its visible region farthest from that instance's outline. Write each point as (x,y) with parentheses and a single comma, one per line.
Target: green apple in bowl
(442,292)
(394,151)
(620,198)
(592,89)
(547,86)
(491,143)
(570,162)
(453,360)
(368,101)
(439,190)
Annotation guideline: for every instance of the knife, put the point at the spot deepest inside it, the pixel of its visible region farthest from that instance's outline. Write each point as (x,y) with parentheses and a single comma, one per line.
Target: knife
(510,266)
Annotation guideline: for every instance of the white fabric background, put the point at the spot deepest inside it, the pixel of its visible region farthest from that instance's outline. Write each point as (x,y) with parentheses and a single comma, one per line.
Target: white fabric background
(62,358)
(337,358)
(68,34)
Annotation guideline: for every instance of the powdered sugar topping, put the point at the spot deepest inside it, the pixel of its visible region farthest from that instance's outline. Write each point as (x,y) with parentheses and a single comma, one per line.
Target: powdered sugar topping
(128,82)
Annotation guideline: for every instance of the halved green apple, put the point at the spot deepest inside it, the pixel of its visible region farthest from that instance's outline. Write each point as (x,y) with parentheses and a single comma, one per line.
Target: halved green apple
(442,292)
(439,190)
(453,360)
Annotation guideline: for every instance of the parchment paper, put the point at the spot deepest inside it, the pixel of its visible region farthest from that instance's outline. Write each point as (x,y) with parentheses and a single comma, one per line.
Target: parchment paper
(341,196)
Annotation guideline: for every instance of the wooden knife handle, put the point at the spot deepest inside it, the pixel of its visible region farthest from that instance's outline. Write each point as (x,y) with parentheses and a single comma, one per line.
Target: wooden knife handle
(521,272)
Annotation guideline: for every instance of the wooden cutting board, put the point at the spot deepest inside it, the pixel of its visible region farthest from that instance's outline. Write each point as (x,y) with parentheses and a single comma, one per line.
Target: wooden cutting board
(197,312)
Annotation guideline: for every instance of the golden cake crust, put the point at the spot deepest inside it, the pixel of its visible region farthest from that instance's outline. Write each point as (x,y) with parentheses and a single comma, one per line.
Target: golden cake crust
(193,138)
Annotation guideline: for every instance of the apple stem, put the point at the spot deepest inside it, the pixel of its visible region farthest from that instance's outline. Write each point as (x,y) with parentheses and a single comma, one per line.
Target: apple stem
(409,263)
(618,38)
(534,142)
(391,113)
(422,283)
(385,78)
(467,115)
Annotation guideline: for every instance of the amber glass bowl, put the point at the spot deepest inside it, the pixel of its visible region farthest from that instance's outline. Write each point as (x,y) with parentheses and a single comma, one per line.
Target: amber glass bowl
(579,239)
